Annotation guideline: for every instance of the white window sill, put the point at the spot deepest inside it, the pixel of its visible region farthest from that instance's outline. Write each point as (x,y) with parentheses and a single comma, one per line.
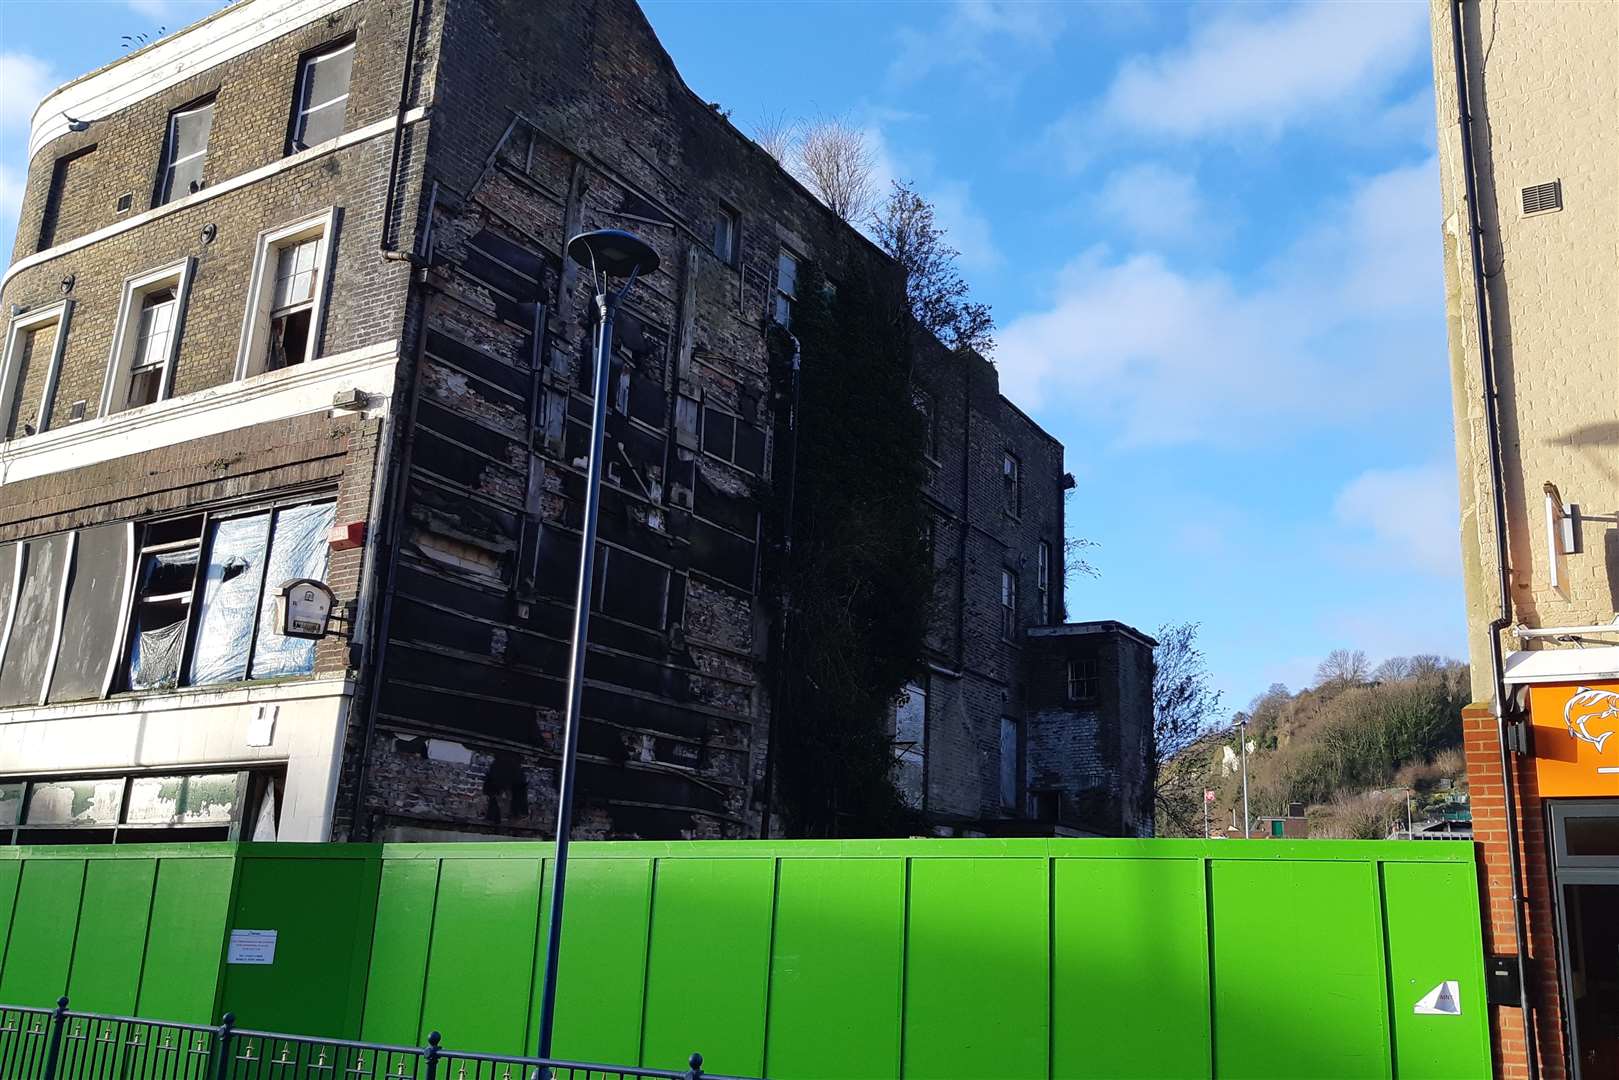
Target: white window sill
(186,697)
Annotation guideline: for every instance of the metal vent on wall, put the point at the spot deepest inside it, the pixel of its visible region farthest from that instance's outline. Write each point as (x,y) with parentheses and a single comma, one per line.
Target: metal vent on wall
(1540,198)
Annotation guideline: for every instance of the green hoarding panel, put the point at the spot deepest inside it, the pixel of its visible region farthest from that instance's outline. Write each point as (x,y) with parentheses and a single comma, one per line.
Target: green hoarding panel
(10,875)
(976,973)
(43,927)
(399,947)
(185,942)
(1429,945)
(112,935)
(1130,961)
(321,911)
(481,967)
(709,963)
(838,956)
(603,960)
(1298,970)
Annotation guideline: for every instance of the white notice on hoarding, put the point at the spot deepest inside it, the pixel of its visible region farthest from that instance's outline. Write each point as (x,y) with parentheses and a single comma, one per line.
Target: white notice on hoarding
(251,947)
(1443,1000)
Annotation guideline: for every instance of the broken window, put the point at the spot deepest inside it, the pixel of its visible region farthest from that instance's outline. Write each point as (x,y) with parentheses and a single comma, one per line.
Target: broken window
(288,296)
(248,558)
(1012,484)
(185,151)
(733,439)
(164,586)
(1042,584)
(1010,747)
(1084,680)
(292,304)
(1008,604)
(786,287)
(924,406)
(323,94)
(910,743)
(631,588)
(726,228)
(151,346)
(147,337)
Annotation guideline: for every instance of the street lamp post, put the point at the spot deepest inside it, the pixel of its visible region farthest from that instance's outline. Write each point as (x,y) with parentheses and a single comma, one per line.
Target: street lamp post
(608,253)
(1242,744)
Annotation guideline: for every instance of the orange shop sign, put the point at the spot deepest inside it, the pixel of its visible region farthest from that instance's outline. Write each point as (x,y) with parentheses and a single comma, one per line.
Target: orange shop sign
(1576,729)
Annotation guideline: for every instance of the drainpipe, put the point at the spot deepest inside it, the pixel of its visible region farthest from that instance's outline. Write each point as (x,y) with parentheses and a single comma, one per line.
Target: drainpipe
(785,604)
(1503,620)
(389,249)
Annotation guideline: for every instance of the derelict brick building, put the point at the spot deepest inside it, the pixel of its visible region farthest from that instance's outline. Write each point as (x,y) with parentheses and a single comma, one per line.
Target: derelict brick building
(288,299)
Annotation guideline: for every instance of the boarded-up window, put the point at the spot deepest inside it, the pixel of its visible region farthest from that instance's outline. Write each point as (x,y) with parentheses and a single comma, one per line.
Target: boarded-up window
(33,624)
(93,616)
(31,372)
(1009,762)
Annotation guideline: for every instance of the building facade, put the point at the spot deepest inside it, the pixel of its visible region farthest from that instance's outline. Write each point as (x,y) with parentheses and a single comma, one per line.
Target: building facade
(289,300)
(1527,152)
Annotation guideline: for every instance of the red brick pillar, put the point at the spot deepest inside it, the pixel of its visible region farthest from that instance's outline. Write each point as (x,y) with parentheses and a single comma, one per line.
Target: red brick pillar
(1490,832)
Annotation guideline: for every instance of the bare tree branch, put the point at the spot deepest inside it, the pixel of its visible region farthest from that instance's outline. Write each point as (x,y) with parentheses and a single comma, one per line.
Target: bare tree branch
(903,225)
(834,159)
(778,136)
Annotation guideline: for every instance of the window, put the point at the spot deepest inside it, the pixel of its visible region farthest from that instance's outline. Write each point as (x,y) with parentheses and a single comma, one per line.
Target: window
(1008,604)
(910,742)
(726,230)
(1042,584)
(138,808)
(1084,680)
(205,609)
(1011,747)
(323,94)
(185,151)
(786,287)
(733,439)
(287,296)
(29,369)
(1012,484)
(924,406)
(146,338)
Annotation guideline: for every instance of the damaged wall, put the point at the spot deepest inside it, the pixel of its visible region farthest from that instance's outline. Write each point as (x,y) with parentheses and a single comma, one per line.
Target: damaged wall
(674,724)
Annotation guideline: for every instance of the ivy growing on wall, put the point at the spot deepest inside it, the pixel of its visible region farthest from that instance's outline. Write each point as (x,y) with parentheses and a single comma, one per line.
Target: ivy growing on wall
(858,578)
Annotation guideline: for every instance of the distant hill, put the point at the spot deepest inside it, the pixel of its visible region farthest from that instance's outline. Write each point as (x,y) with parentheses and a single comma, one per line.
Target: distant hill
(1350,749)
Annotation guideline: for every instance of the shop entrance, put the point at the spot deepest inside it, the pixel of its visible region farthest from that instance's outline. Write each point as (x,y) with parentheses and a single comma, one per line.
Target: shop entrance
(1586,857)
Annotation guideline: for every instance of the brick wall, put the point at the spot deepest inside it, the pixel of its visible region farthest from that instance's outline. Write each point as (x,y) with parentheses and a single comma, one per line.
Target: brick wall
(1490,834)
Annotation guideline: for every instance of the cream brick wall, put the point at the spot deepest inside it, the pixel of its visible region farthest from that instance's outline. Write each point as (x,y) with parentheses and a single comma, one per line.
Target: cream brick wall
(1544,81)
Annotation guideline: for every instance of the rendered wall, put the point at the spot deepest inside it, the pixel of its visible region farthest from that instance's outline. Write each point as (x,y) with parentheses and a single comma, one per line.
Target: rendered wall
(921,959)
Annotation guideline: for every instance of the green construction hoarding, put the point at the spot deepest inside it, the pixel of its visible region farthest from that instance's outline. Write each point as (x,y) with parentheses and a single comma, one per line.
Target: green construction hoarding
(802,959)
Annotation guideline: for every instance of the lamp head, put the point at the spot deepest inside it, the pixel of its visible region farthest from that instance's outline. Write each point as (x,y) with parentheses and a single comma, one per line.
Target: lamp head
(613,252)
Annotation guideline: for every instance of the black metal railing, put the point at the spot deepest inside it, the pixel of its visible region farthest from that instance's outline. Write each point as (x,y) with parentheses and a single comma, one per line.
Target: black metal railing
(59,1044)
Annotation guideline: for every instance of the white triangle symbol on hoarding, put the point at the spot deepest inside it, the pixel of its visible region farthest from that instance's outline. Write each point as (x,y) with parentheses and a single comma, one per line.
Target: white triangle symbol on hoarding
(1443,1000)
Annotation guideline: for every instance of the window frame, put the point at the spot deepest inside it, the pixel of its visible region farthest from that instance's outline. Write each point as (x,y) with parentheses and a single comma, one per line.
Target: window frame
(1012,484)
(59,314)
(298,125)
(1011,800)
(119,680)
(732,220)
(1042,581)
(779,294)
(126,328)
(255,338)
(163,190)
(1009,600)
(1078,675)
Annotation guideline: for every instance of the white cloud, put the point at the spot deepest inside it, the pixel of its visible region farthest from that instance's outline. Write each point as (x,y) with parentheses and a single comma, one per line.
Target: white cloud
(1321,64)
(26,79)
(12,183)
(153,9)
(1339,328)
(971,36)
(1152,202)
(1407,517)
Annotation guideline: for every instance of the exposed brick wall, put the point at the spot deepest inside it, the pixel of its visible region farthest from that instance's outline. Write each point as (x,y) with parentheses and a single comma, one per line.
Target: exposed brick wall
(1482,748)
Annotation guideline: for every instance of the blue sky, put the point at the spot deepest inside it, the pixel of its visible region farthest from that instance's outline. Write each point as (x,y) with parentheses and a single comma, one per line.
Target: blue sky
(1211,237)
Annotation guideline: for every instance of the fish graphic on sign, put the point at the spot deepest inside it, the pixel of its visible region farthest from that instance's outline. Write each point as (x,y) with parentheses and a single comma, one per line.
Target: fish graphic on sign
(1592,716)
